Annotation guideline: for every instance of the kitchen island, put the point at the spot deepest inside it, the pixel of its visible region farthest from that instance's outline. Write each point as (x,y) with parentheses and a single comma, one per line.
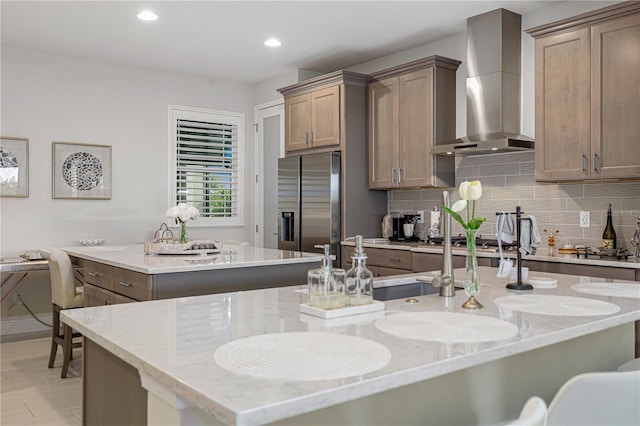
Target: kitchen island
(120,274)
(182,354)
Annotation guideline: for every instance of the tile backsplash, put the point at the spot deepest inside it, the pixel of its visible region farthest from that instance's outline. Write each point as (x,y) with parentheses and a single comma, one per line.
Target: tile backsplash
(508,180)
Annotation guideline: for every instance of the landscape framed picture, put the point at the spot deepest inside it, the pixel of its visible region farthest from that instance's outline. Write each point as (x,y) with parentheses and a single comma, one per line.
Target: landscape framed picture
(14,167)
(81,171)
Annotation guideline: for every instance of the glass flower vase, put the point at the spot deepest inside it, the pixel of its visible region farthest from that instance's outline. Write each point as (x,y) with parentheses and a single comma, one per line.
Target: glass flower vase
(471,279)
(183,233)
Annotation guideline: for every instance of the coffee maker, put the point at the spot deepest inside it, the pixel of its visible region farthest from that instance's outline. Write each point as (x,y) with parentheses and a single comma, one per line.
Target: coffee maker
(399,228)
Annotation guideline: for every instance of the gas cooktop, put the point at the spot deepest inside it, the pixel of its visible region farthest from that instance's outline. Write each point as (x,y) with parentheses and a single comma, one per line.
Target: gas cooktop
(461,241)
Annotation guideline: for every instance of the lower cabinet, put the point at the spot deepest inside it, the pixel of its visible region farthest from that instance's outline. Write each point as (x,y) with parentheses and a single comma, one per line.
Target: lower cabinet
(584,270)
(109,285)
(424,262)
(96,296)
(383,262)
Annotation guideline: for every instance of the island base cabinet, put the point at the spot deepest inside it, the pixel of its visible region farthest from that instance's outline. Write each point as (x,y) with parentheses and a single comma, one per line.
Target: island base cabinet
(111,390)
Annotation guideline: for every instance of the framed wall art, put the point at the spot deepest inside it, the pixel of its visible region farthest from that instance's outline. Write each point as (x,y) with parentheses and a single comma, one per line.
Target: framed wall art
(14,167)
(81,171)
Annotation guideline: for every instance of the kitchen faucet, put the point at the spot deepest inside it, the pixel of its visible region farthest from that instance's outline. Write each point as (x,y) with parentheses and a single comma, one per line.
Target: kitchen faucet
(446,281)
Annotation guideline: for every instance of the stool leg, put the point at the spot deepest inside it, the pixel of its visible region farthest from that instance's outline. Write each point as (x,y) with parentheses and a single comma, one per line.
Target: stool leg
(67,348)
(54,333)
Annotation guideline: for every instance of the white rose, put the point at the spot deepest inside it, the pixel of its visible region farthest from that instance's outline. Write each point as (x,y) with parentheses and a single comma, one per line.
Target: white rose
(194,212)
(172,212)
(471,190)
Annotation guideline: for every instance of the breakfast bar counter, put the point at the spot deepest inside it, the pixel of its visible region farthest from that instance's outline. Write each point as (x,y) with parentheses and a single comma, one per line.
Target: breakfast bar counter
(253,358)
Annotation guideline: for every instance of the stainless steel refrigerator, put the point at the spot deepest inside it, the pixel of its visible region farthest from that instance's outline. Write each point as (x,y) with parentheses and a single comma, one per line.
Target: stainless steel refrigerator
(309,202)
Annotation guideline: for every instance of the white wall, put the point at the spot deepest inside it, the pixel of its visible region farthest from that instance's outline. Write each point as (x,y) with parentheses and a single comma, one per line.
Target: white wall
(49,98)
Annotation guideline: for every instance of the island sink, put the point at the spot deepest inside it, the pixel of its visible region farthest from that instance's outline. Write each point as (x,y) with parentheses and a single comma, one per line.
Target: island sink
(402,291)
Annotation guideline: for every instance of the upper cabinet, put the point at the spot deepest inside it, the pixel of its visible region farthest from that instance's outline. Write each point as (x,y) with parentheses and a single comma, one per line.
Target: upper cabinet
(588,96)
(315,112)
(412,107)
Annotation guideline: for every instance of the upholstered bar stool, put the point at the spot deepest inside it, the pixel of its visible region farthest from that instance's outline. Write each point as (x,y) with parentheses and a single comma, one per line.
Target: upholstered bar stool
(64,295)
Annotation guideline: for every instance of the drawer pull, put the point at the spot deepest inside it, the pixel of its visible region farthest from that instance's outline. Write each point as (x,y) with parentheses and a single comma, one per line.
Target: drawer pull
(106,302)
(124,283)
(394,259)
(95,274)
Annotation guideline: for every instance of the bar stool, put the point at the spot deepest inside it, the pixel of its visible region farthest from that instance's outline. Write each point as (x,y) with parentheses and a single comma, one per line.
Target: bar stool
(64,295)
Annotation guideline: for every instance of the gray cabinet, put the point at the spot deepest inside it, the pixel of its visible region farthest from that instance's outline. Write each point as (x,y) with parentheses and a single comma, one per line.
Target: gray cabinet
(411,108)
(382,262)
(587,103)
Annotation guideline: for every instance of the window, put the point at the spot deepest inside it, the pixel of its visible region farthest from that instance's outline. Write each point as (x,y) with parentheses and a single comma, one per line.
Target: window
(206,163)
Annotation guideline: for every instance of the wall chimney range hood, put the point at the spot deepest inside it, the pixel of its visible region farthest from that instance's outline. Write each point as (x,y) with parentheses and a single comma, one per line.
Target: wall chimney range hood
(493,87)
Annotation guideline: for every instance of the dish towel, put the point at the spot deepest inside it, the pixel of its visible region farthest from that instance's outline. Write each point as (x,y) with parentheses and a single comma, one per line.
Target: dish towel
(529,235)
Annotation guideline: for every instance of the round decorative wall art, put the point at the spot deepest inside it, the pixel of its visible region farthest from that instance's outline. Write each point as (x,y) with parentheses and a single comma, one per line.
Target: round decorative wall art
(81,171)
(7,159)
(14,167)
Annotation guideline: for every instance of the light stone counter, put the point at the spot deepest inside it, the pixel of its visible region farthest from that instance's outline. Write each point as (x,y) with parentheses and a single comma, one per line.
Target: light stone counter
(542,254)
(173,343)
(132,257)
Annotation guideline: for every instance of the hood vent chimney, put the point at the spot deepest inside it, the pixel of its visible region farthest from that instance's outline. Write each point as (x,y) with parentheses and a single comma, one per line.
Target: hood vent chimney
(493,87)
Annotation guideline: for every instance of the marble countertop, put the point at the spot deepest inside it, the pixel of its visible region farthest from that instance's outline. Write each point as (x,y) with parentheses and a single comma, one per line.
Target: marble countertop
(542,254)
(176,342)
(132,257)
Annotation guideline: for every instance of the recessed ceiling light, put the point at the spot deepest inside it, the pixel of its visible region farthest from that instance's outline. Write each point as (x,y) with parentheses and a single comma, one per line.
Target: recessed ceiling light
(273,42)
(147,15)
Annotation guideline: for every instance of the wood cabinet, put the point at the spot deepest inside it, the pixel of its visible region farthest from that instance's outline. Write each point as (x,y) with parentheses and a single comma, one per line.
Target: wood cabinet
(411,108)
(381,262)
(312,120)
(587,101)
(107,285)
(315,112)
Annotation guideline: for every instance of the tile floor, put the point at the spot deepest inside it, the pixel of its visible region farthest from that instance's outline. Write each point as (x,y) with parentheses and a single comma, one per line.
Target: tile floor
(33,394)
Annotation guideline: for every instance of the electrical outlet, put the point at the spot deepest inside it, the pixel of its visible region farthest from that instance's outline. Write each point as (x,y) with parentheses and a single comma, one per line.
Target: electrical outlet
(17,296)
(420,216)
(585,219)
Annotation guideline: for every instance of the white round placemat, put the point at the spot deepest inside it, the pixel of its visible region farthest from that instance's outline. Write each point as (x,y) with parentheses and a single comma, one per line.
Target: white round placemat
(543,282)
(556,305)
(302,356)
(631,291)
(446,327)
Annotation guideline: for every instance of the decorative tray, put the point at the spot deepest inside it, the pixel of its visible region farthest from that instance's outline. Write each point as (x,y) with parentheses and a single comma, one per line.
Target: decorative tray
(171,247)
(341,312)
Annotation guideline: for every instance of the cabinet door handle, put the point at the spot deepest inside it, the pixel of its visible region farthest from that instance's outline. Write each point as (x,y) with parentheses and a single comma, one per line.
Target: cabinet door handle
(106,302)
(594,162)
(393,175)
(583,158)
(399,175)
(95,274)
(311,139)
(124,283)
(306,137)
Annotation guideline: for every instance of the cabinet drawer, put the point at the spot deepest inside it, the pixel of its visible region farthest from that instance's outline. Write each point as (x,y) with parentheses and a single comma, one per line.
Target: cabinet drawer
(96,296)
(131,284)
(97,274)
(396,259)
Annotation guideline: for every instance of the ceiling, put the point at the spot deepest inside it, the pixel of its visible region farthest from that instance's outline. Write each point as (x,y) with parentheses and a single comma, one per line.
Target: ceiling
(224,39)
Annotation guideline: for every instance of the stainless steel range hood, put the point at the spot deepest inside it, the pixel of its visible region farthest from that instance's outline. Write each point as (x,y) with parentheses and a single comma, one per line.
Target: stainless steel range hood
(493,87)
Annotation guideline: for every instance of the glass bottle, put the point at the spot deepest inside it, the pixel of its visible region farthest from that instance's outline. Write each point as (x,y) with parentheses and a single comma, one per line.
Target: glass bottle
(326,284)
(609,234)
(359,278)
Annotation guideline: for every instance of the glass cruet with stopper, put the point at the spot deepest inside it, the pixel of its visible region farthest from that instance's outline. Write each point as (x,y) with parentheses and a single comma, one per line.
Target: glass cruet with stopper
(359,278)
(326,284)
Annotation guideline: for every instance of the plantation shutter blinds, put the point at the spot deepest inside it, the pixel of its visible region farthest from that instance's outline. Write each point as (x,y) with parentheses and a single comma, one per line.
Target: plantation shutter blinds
(207,169)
